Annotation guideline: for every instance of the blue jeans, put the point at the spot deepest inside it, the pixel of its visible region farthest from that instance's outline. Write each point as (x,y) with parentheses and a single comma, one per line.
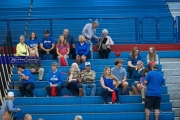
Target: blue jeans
(73,86)
(106,93)
(89,85)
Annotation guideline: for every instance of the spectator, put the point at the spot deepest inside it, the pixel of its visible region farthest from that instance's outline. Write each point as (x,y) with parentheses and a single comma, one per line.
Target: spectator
(83,67)
(22,48)
(40,119)
(132,60)
(88,79)
(70,40)
(78,117)
(107,85)
(62,49)
(105,44)
(35,66)
(27,117)
(119,72)
(152,57)
(8,104)
(89,32)
(73,79)
(136,75)
(55,80)
(142,85)
(154,80)
(82,50)
(26,81)
(33,43)
(47,45)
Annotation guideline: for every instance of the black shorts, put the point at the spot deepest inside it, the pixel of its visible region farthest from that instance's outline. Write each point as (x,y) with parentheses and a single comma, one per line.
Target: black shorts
(152,102)
(121,85)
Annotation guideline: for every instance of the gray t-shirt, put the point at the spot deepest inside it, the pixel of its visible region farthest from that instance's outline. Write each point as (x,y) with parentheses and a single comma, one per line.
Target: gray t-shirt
(119,72)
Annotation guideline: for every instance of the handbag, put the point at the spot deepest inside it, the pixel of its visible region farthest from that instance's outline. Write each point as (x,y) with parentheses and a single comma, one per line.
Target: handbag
(53,91)
(63,61)
(104,47)
(6,115)
(117,53)
(113,98)
(81,93)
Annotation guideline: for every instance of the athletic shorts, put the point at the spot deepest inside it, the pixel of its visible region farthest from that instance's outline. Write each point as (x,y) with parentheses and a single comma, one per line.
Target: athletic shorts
(152,102)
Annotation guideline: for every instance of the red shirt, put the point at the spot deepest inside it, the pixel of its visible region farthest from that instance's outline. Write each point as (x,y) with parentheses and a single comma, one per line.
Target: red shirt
(62,49)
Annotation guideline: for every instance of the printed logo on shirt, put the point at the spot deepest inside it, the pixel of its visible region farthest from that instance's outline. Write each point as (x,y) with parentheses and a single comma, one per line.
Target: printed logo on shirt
(61,47)
(46,41)
(54,76)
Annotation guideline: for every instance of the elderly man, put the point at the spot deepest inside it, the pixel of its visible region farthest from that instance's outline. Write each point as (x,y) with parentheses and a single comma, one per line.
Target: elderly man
(88,79)
(70,40)
(89,32)
(35,66)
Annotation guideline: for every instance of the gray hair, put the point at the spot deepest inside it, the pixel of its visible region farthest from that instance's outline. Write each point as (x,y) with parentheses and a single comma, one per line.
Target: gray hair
(105,31)
(40,119)
(77,68)
(66,30)
(54,64)
(79,117)
(22,36)
(27,116)
(95,22)
(141,62)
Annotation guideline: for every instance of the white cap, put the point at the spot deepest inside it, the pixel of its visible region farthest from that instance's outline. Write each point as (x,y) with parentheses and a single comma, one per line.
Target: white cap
(87,63)
(10,94)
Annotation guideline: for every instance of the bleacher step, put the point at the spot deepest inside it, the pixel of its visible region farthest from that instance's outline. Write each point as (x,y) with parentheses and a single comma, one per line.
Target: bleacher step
(172,79)
(174,95)
(171,72)
(176,111)
(175,103)
(170,65)
(173,87)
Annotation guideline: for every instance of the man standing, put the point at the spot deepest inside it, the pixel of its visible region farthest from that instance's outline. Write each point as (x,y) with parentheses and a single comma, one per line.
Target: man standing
(120,73)
(35,65)
(154,80)
(47,45)
(89,32)
(70,40)
(88,79)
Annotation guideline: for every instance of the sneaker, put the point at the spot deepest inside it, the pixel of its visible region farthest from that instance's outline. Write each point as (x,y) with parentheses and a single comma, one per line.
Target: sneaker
(143,101)
(109,102)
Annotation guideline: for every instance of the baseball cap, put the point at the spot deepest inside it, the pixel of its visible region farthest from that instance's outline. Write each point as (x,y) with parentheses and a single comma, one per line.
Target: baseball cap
(87,64)
(10,94)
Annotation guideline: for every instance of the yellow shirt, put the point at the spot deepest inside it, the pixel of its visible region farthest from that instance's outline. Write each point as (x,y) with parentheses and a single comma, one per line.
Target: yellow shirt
(22,50)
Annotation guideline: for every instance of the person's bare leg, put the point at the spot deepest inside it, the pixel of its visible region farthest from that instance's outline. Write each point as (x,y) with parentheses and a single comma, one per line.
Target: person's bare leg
(83,58)
(125,86)
(78,60)
(139,88)
(135,90)
(147,112)
(157,112)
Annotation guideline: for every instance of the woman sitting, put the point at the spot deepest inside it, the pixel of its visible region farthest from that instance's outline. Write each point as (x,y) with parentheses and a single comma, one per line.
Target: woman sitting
(143,86)
(107,85)
(152,57)
(82,50)
(132,60)
(136,75)
(62,49)
(8,105)
(33,43)
(105,45)
(73,79)
(22,48)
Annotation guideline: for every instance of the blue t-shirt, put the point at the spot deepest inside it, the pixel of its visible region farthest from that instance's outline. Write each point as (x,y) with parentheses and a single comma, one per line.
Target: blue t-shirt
(155,81)
(27,72)
(32,43)
(82,49)
(55,78)
(108,82)
(134,61)
(137,75)
(47,42)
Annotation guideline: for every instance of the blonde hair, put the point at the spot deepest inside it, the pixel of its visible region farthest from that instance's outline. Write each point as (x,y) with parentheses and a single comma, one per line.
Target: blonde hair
(132,54)
(76,65)
(152,56)
(104,73)
(64,42)
(82,38)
